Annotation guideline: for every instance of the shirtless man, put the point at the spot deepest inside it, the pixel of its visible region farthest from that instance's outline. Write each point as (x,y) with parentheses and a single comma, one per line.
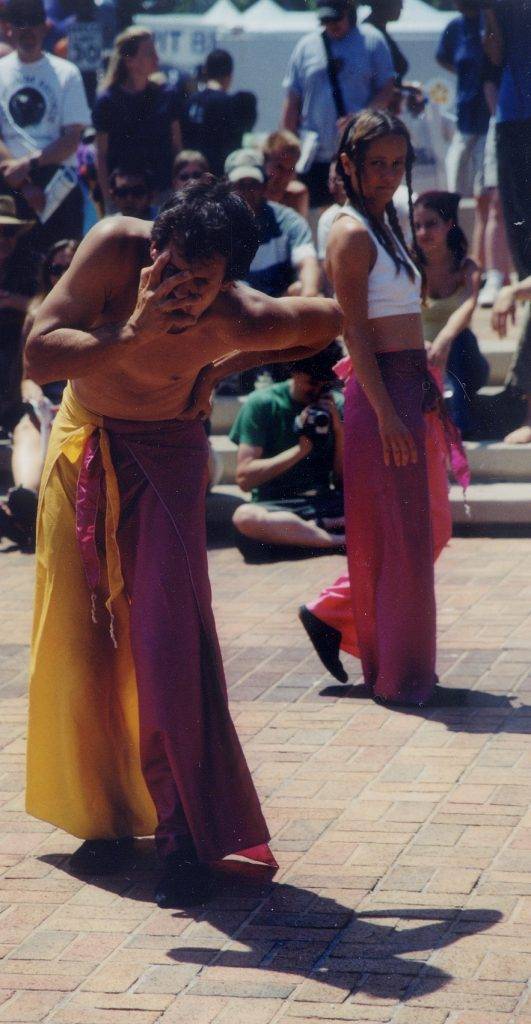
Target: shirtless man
(130,731)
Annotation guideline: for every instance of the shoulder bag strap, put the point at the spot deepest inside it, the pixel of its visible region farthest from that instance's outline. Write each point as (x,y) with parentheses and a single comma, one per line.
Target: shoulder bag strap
(332,69)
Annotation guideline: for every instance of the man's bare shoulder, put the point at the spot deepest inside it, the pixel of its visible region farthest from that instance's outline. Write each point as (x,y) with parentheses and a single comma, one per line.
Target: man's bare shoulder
(115,235)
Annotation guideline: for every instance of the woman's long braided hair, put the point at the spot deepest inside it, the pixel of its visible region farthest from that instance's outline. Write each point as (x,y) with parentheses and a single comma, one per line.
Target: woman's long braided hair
(365,128)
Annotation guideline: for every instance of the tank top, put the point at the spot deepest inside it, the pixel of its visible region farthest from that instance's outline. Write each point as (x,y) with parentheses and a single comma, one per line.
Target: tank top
(390,293)
(436,312)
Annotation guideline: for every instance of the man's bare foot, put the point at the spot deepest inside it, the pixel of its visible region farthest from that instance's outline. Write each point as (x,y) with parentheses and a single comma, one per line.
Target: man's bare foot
(520,436)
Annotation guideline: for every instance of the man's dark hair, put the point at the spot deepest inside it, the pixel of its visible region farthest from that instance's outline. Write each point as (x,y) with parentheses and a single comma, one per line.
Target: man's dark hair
(320,366)
(219,64)
(24,12)
(205,219)
(130,170)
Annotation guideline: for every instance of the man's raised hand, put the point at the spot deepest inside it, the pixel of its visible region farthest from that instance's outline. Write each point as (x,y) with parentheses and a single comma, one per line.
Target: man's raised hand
(161,305)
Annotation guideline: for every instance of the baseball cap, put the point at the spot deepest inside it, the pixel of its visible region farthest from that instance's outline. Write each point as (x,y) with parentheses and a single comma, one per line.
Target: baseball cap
(332,10)
(24,12)
(245,163)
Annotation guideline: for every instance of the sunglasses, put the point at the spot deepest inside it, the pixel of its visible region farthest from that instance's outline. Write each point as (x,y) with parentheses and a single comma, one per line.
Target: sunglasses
(135,191)
(8,231)
(56,269)
(189,175)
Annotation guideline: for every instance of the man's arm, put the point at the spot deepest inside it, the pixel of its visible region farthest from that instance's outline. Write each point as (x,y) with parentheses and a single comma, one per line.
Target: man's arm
(383,97)
(291,113)
(492,38)
(63,343)
(17,169)
(265,323)
(253,471)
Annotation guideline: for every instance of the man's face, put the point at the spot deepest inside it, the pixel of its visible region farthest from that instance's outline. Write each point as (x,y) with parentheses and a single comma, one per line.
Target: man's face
(252,191)
(26,39)
(307,389)
(131,196)
(337,28)
(280,168)
(207,282)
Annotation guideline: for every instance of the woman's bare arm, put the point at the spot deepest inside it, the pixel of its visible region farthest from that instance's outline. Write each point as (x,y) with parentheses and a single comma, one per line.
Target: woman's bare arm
(459,320)
(350,255)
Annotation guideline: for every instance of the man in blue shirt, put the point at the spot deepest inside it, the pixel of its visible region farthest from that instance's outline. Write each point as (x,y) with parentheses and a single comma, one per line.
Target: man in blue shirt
(365,76)
(508,31)
(461,51)
(286,259)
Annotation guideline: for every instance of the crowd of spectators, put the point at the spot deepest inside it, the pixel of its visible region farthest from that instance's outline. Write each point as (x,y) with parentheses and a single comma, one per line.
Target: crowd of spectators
(79,145)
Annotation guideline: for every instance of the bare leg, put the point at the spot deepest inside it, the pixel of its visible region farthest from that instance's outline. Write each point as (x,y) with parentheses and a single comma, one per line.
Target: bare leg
(480,222)
(282,528)
(522,435)
(496,249)
(26,461)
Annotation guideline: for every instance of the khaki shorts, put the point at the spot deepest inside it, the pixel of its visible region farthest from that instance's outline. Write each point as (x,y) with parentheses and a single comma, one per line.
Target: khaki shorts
(465,164)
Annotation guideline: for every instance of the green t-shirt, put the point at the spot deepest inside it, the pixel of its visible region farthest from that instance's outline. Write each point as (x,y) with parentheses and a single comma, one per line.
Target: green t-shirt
(267,421)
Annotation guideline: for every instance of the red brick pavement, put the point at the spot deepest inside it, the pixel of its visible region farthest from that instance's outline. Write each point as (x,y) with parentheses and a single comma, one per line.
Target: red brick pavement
(404,839)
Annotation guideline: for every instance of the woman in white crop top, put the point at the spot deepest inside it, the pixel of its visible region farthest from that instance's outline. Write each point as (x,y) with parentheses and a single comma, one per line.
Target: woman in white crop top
(396,500)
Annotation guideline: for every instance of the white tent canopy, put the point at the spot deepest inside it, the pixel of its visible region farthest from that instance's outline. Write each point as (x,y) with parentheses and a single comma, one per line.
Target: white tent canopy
(268,16)
(222,12)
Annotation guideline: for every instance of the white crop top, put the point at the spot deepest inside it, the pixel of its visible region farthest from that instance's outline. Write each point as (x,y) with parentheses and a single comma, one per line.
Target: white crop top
(390,293)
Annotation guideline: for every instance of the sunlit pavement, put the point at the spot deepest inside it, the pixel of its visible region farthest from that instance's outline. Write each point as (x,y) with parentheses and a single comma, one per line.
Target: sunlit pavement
(404,839)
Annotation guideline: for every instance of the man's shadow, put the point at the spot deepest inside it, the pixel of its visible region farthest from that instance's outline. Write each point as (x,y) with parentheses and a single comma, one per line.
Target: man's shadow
(292,931)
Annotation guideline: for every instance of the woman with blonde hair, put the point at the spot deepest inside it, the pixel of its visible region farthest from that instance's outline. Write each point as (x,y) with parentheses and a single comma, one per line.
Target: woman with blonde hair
(135,117)
(281,151)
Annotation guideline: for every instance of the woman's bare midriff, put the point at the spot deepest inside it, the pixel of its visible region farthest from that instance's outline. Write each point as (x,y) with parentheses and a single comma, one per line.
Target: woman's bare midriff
(396,333)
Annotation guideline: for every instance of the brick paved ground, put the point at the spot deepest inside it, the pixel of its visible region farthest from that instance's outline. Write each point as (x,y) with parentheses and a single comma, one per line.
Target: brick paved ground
(404,839)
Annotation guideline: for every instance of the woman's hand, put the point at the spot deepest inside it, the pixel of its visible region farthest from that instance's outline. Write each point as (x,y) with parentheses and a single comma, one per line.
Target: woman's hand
(397,441)
(504,307)
(438,353)
(200,404)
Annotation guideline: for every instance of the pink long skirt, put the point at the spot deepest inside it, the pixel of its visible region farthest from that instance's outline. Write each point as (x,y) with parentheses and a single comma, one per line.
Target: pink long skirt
(398,521)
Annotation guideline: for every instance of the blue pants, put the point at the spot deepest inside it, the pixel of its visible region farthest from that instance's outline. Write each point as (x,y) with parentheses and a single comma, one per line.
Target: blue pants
(467,371)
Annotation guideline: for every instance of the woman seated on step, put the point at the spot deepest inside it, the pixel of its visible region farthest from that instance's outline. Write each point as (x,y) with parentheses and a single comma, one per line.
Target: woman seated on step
(451,287)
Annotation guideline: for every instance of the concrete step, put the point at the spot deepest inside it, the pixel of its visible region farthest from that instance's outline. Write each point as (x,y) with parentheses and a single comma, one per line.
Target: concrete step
(224,412)
(494,460)
(492,502)
(226,452)
(500,355)
(489,460)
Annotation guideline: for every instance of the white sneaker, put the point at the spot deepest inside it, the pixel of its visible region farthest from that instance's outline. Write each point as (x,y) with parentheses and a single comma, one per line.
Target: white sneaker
(489,292)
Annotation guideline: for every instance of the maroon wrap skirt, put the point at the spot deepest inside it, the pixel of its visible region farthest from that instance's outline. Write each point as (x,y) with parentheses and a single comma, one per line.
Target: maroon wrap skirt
(191,757)
(389,537)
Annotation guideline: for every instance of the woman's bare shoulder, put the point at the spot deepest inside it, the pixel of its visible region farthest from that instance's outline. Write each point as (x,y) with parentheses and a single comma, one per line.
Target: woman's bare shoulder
(349,235)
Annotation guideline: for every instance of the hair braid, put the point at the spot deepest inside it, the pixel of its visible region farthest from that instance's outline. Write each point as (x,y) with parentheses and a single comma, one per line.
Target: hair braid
(356,149)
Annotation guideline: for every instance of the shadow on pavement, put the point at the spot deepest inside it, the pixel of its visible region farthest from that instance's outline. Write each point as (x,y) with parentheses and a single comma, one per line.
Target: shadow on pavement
(289,930)
(470,715)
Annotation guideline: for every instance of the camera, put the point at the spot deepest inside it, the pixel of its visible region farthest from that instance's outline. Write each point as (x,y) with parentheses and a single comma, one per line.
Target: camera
(315,425)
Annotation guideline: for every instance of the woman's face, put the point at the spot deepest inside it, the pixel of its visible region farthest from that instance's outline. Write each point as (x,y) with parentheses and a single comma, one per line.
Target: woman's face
(431,230)
(59,262)
(383,170)
(145,61)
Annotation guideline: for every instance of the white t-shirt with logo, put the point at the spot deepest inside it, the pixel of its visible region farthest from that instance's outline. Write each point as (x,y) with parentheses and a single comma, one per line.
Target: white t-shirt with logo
(37,100)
